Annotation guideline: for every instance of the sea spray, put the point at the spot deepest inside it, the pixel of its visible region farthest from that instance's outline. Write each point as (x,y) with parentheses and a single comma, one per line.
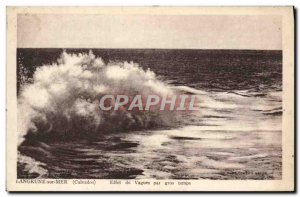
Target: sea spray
(62,99)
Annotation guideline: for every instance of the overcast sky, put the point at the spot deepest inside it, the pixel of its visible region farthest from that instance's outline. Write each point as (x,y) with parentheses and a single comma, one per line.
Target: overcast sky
(149,31)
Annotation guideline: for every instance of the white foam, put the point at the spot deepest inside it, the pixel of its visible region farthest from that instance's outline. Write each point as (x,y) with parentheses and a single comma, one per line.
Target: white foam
(69,91)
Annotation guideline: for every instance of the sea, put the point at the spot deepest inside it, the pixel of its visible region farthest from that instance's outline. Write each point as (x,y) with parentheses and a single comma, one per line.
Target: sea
(235,135)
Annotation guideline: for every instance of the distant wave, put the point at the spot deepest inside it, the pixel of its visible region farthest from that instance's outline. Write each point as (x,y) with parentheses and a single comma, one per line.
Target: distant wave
(274,112)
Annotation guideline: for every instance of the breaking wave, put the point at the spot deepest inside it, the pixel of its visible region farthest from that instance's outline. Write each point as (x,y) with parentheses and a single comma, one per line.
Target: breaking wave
(62,99)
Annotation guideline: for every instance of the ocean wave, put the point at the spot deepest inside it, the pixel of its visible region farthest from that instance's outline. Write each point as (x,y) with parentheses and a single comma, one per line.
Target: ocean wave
(62,99)
(30,166)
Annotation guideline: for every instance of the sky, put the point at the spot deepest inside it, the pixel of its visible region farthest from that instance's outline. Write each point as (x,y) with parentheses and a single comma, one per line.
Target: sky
(149,31)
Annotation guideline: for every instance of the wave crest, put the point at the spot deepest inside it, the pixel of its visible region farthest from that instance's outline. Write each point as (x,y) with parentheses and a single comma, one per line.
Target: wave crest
(63,98)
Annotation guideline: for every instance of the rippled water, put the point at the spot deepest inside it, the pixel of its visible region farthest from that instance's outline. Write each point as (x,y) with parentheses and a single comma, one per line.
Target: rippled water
(235,135)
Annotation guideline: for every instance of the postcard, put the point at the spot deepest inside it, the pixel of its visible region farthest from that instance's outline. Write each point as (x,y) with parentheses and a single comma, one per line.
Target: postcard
(150,99)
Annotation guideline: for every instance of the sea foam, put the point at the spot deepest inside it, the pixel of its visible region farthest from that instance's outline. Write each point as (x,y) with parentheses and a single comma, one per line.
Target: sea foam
(62,99)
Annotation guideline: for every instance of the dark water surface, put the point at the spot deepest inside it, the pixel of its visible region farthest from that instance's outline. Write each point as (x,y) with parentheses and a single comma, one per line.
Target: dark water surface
(219,70)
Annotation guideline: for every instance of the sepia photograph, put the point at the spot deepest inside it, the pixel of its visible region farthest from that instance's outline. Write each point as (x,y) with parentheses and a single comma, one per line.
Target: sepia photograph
(140,97)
